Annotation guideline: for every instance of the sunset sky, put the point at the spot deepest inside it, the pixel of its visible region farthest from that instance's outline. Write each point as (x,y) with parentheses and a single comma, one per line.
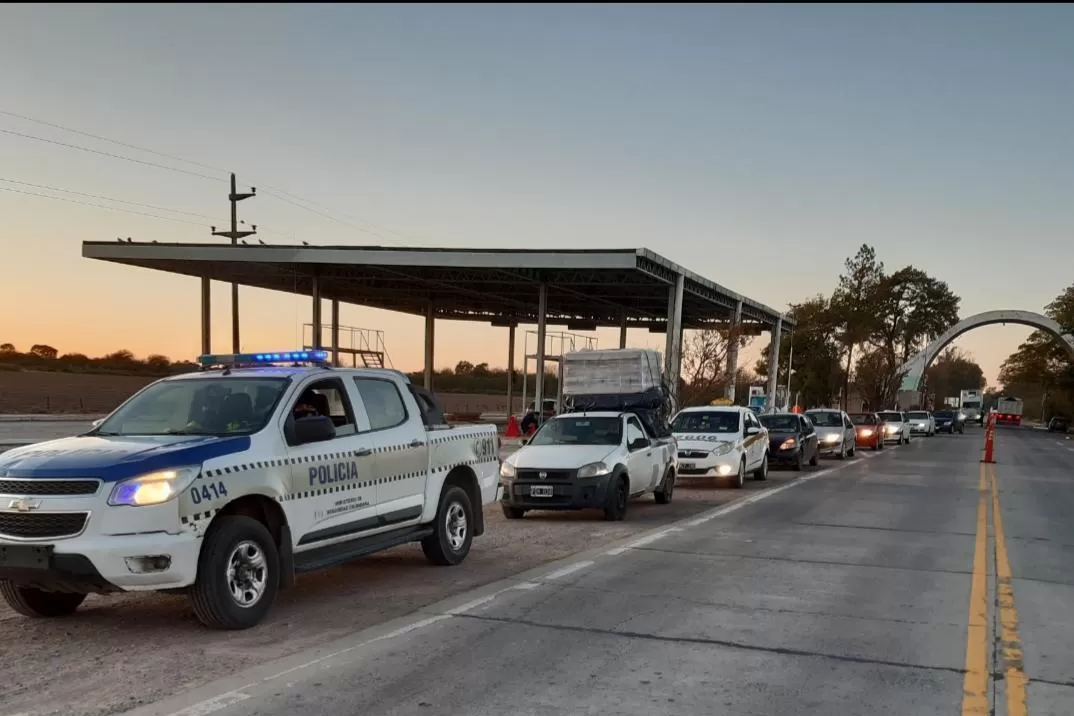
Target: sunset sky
(755,145)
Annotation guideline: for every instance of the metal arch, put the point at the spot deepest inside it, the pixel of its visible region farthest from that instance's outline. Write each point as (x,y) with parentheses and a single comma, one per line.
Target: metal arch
(914,369)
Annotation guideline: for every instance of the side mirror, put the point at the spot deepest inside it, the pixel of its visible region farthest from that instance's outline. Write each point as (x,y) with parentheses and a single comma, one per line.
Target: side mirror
(639,444)
(96,422)
(752,431)
(314,429)
(525,441)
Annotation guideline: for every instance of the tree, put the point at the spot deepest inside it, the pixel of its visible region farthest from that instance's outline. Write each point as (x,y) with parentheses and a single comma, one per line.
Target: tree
(123,356)
(158,362)
(816,364)
(876,378)
(7,348)
(44,351)
(952,372)
(464,367)
(854,303)
(1041,365)
(704,365)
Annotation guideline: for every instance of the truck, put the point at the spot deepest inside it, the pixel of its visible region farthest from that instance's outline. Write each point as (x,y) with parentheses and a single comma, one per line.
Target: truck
(611,444)
(225,483)
(1009,411)
(970,402)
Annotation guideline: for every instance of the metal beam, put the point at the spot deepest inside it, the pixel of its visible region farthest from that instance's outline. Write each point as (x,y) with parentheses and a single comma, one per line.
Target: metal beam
(673,354)
(622,332)
(335,332)
(773,364)
(206,317)
(511,371)
(732,353)
(316,328)
(538,393)
(430,328)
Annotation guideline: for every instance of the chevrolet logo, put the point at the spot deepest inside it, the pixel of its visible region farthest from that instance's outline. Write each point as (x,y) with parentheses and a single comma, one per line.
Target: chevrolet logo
(24,505)
(542,475)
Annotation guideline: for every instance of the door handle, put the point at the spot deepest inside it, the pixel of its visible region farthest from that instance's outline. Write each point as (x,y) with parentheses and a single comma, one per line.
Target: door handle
(365,452)
(649,454)
(416,443)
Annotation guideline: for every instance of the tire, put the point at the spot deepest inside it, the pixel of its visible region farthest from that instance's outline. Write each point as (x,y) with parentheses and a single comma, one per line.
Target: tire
(513,513)
(842,451)
(238,555)
(39,604)
(616,507)
(451,538)
(667,489)
(799,464)
(853,450)
(815,460)
(761,473)
(740,478)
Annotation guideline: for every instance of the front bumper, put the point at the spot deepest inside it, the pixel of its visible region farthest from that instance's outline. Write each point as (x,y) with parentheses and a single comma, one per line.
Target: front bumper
(785,457)
(568,492)
(696,463)
(99,564)
(827,448)
(919,429)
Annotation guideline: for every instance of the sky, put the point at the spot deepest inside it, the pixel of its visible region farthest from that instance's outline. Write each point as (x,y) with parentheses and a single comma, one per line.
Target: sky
(756,145)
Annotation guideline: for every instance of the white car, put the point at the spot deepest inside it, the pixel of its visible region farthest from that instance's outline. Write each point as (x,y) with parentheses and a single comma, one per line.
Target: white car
(592,459)
(921,423)
(721,441)
(836,434)
(896,427)
(228,481)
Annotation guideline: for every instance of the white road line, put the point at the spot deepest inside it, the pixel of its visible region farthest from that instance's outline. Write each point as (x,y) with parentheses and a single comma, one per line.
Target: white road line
(470,605)
(214,704)
(569,569)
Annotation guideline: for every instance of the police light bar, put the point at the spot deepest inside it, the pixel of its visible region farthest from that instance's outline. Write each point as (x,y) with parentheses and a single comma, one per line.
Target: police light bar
(235,359)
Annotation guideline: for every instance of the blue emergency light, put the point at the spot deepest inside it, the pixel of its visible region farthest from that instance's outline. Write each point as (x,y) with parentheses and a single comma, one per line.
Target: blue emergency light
(236,359)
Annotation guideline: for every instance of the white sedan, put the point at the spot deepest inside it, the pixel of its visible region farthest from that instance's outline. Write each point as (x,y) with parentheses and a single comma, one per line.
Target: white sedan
(896,427)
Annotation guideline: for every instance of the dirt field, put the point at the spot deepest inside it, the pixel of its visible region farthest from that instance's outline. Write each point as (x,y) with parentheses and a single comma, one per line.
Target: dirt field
(121,651)
(46,392)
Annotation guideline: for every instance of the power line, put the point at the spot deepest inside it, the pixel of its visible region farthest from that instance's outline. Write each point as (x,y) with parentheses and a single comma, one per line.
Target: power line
(108,198)
(279,196)
(108,154)
(101,206)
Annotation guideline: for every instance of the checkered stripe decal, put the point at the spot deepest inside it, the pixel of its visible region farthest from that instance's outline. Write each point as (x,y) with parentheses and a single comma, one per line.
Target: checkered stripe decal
(198,517)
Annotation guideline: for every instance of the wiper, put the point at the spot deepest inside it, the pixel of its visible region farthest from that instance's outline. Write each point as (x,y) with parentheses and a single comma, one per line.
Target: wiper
(186,432)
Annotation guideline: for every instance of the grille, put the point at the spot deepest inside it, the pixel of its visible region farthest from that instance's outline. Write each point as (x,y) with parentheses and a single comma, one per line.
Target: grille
(549,475)
(49,487)
(692,454)
(41,525)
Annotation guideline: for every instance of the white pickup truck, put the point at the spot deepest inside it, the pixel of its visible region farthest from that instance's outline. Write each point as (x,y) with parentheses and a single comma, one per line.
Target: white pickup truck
(226,482)
(598,459)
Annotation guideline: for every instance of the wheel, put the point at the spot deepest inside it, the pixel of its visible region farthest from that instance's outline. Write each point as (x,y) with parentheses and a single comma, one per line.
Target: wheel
(815,460)
(853,450)
(799,463)
(740,478)
(842,451)
(513,513)
(618,496)
(238,574)
(37,603)
(761,473)
(451,538)
(878,445)
(666,490)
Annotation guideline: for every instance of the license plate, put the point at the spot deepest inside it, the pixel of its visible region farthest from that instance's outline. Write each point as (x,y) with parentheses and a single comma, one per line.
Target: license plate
(686,465)
(22,556)
(541,491)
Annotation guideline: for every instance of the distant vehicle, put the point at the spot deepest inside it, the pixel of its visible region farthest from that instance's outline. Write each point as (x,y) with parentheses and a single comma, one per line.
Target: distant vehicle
(949,421)
(952,402)
(869,429)
(721,442)
(792,440)
(1058,424)
(921,423)
(896,426)
(1009,411)
(970,402)
(835,432)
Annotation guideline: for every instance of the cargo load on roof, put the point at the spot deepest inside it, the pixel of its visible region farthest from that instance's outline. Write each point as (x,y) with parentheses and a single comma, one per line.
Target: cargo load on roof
(606,372)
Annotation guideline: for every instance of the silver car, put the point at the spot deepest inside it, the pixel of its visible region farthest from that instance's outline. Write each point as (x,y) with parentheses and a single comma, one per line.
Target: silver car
(896,427)
(836,434)
(922,423)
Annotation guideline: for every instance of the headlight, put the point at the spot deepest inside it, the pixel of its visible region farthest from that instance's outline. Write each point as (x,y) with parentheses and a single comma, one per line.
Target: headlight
(866,433)
(507,470)
(593,469)
(788,444)
(153,488)
(832,438)
(723,448)
(890,428)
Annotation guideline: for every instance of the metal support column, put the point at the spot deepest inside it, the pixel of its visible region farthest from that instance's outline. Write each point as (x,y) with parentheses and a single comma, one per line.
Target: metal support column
(790,370)
(673,345)
(622,332)
(511,370)
(430,328)
(335,332)
(732,353)
(316,294)
(206,317)
(773,364)
(542,309)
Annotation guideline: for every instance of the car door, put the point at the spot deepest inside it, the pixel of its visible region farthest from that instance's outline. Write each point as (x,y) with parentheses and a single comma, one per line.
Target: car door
(850,434)
(401,456)
(333,482)
(642,457)
(754,444)
(809,438)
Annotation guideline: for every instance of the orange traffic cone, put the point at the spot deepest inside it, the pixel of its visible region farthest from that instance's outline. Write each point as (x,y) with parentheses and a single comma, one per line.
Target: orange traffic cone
(513,431)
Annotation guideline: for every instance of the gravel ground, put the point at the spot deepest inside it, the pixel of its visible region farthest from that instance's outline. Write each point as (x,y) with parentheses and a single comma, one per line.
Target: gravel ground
(124,650)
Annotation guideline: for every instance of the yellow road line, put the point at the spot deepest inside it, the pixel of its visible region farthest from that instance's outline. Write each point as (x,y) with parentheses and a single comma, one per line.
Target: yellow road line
(975,683)
(1013,660)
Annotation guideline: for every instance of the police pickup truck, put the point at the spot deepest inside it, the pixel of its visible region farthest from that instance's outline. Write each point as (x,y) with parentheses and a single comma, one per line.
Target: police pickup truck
(225,483)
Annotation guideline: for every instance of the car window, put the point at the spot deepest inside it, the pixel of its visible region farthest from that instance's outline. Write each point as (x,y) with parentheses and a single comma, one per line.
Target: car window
(807,424)
(383,403)
(846,421)
(863,419)
(634,431)
(780,422)
(826,419)
(326,398)
(919,415)
(889,416)
(580,430)
(709,421)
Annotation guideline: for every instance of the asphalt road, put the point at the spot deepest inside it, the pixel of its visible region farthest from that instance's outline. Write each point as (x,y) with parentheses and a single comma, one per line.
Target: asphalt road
(870,588)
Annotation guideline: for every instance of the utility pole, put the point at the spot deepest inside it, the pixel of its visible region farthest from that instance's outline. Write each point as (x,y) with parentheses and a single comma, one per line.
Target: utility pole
(234,197)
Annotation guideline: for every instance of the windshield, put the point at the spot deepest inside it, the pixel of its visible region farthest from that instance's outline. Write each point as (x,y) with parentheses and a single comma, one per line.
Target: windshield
(919,415)
(715,421)
(943,414)
(198,406)
(890,417)
(781,423)
(863,419)
(971,404)
(580,430)
(826,419)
